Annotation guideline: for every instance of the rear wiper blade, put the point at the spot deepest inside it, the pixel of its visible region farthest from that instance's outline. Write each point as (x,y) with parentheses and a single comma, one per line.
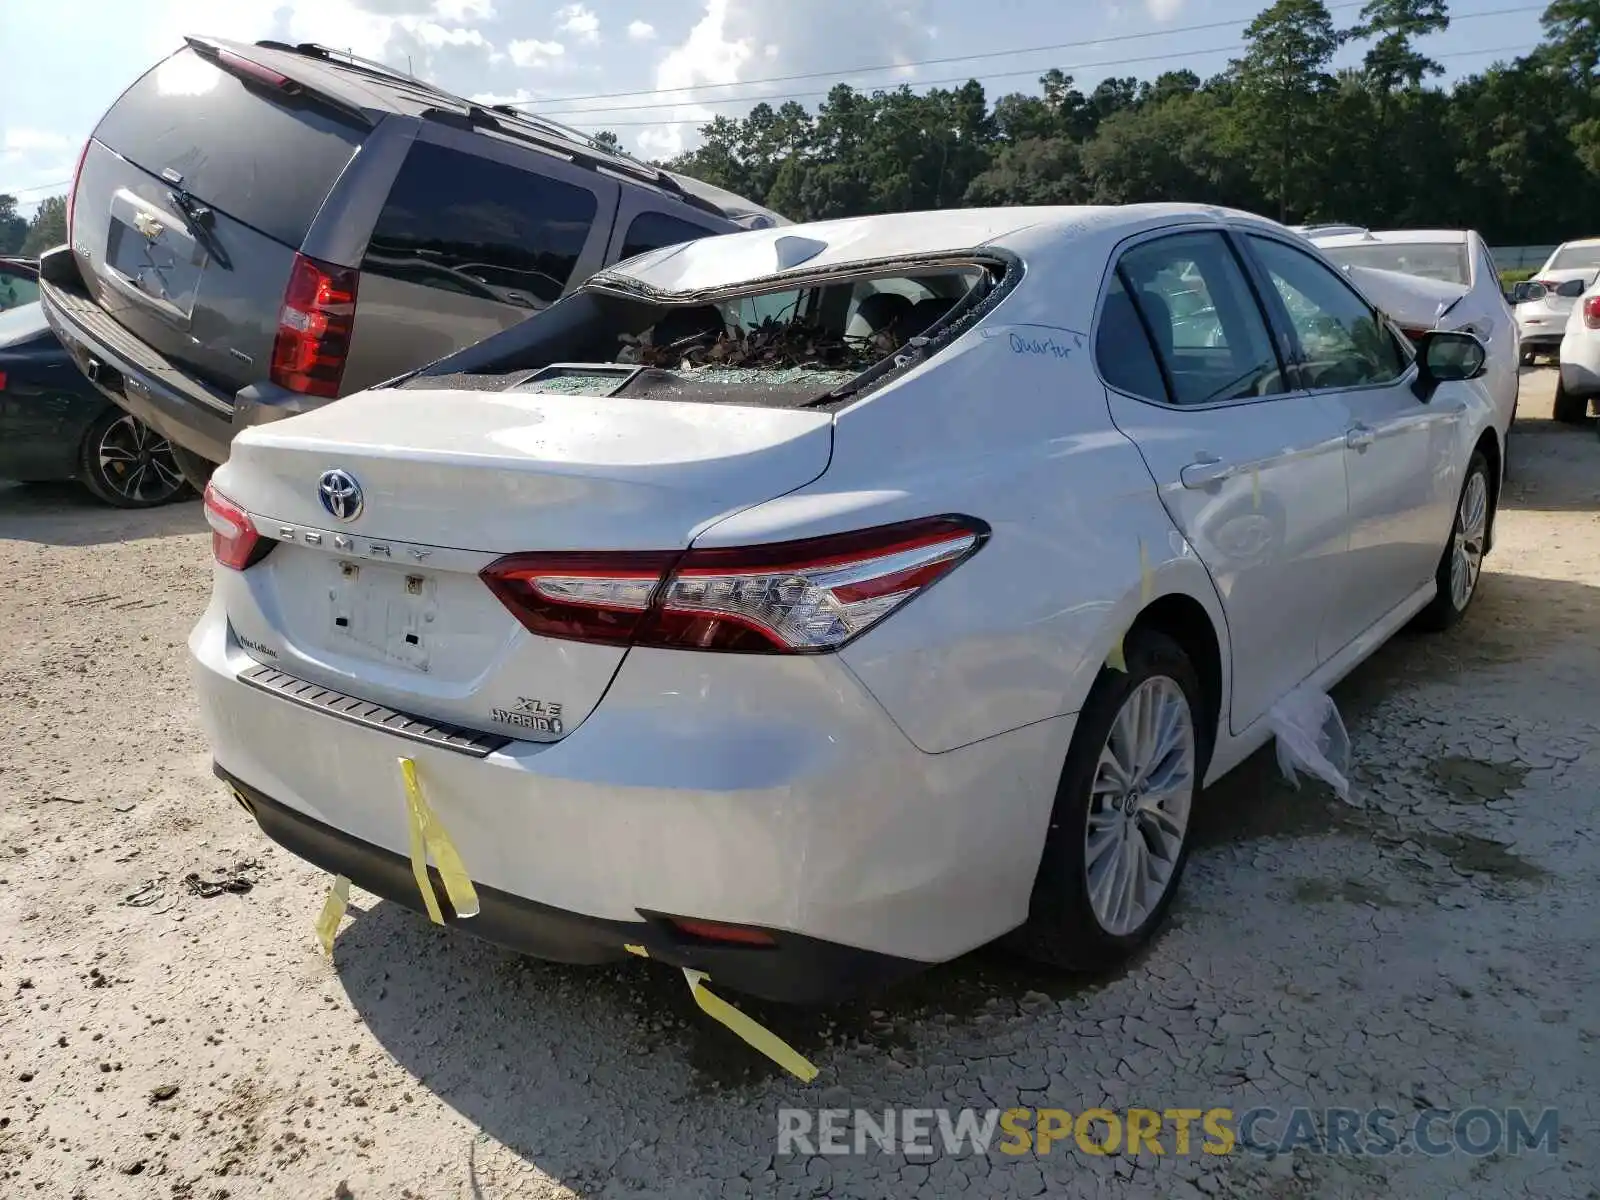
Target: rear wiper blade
(200,221)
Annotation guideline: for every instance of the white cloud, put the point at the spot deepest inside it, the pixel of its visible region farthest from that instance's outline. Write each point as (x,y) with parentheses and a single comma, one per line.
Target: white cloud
(579,21)
(753,39)
(463,10)
(22,140)
(1163,10)
(641,31)
(531,52)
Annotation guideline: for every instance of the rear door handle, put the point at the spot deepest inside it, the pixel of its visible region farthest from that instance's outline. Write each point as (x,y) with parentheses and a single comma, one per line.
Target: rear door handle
(1359,437)
(1205,473)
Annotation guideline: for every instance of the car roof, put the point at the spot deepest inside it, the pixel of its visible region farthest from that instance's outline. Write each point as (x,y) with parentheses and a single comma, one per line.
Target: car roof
(378,89)
(1577,243)
(738,258)
(1411,237)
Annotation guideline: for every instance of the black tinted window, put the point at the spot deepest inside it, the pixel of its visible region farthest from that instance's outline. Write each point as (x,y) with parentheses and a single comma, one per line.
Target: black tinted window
(652,230)
(269,162)
(1122,348)
(466,224)
(1343,342)
(1206,323)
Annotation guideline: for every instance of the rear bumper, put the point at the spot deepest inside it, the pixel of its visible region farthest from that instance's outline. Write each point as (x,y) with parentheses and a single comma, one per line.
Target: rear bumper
(130,373)
(795,970)
(752,790)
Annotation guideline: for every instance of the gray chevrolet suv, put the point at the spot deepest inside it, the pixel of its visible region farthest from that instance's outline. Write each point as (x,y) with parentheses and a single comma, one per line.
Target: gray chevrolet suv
(254,230)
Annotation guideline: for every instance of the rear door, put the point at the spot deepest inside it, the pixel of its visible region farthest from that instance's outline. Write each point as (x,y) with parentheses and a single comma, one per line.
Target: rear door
(1401,453)
(1250,472)
(642,225)
(196,190)
(478,233)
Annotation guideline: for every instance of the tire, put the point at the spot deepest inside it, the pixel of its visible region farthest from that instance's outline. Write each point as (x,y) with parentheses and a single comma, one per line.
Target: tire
(1474,512)
(125,463)
(195,469)
(1569,409)
(1065,927)
(1527,358)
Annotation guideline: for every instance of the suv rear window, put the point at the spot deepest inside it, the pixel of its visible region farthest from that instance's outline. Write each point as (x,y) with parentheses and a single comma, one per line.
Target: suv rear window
(653,230)
(269,162)
(470,225)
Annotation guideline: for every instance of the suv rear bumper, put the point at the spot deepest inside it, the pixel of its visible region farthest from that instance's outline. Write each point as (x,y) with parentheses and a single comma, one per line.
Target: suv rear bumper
(129,372)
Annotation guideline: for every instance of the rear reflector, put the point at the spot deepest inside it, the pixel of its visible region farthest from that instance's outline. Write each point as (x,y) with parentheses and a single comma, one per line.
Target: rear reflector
(1591,312)
(715,931)
(801,597)
(314,327)
(234,540)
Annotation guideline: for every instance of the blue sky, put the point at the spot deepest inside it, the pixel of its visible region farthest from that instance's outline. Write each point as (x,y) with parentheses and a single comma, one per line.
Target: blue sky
(675,50)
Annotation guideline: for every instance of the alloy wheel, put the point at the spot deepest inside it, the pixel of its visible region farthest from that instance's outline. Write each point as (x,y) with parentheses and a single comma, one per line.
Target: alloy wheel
(136,462)
(1472,524)
(1139,803)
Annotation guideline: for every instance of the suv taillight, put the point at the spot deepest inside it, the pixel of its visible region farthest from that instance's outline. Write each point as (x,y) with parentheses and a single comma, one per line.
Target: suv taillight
(801,597)
(235,543)
(1591,312)
(314,327)
(72,188)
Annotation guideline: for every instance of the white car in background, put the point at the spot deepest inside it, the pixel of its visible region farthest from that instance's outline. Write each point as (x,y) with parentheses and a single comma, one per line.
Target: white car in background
(1579,385)
(1429,279)
(721,634)
(1546,301)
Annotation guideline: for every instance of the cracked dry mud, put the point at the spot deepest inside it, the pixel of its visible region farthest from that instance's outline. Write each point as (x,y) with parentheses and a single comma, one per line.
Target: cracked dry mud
(1436,946)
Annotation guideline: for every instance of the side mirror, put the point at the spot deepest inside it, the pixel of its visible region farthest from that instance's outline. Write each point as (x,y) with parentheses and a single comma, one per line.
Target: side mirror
(1572,289)
(1444,357)
(1523,292)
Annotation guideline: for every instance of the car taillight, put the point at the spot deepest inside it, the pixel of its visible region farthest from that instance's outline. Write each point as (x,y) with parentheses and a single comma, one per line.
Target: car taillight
(314,327)
(72,188)
(1591,312)
(801,597)
(234,540)
(2,381)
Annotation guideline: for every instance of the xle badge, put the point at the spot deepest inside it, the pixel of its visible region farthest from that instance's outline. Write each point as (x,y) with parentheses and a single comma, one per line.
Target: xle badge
(541,716)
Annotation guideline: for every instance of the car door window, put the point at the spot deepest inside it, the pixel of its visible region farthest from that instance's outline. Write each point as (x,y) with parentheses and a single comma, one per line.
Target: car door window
(1122,348)
(653,230)
(1195,301)
(1343,341)
(467,224)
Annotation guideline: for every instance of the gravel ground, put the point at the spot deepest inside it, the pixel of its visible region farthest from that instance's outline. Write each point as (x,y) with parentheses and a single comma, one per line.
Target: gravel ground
(1435,948)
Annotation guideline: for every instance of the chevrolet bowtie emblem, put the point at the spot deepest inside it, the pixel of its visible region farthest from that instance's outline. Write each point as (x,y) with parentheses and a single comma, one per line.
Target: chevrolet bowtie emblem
(146,223)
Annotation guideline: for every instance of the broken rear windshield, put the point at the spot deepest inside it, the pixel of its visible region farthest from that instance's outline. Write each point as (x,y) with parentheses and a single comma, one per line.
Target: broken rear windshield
(783,347)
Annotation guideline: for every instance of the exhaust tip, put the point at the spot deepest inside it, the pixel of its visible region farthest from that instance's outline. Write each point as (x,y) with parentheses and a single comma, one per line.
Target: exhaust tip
(243,801)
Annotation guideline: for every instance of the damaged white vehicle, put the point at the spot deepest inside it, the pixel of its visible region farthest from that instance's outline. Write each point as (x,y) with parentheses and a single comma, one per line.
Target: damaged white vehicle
(808,606)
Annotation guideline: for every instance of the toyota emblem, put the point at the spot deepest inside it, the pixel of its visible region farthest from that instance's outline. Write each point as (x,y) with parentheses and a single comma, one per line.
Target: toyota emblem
(340,494)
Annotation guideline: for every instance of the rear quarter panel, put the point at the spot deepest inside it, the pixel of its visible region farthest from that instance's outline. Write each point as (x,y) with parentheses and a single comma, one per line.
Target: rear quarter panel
(1009,425)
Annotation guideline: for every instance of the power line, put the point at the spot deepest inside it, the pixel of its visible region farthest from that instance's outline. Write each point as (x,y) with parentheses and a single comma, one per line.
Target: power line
(38,187)
(596,123)
(836,74)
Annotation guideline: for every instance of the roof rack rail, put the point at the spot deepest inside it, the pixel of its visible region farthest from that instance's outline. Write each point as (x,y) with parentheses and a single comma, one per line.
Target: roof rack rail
(585,154)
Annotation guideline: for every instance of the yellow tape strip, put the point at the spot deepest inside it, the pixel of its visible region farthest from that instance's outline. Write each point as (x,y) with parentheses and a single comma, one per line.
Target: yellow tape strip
(758,1036)
(428,836)
(332,913)
(639,950)
(1116,660)
(1255,489)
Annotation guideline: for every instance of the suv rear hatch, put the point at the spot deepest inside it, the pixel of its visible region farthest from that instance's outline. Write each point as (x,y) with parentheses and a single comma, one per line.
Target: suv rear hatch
(193,196)
(387,605)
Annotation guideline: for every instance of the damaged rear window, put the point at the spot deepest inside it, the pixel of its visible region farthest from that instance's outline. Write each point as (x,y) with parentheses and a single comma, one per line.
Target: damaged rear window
(783,347)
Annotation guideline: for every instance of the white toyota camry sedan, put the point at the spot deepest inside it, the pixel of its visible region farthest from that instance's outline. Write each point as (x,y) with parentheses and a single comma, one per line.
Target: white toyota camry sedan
(812,605)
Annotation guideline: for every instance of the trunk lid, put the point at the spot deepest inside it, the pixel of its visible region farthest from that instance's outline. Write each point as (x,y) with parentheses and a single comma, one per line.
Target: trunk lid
(1412,301)
(194,194)
(387,606)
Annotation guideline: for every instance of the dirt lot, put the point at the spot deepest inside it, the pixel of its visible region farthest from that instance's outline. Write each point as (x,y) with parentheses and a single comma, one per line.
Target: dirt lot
(1434,949)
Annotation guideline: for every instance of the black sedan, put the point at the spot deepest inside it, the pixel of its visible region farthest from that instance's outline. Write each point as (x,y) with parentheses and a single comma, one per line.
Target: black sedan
(55,425)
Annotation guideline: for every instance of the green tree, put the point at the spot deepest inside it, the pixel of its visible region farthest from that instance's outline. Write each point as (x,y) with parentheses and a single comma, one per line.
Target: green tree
(48,227)
(1393,59)
(1282,80)
(607,140)
(1572,33)
(13,229)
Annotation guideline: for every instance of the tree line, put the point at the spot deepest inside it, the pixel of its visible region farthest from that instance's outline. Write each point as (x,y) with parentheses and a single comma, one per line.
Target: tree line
(1512,151)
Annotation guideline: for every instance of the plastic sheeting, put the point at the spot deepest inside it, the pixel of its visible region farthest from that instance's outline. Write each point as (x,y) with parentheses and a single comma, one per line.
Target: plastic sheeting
(1311,738)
